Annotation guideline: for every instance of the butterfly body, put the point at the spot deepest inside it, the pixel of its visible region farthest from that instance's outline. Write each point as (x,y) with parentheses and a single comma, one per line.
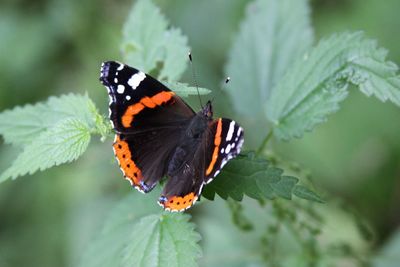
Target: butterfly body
(158,135)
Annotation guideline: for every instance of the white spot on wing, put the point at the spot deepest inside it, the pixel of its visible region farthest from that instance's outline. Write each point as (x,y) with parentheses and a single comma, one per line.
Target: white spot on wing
(128,97)
(230,131)
(239,147)
(228,149)
(116,80)
(239,131)
(120,67)
(120,89)
(136,79)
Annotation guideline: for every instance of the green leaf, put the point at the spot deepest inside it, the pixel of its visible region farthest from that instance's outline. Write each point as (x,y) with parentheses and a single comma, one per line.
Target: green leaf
(175,57)
(305,193)
(21,125)
(62,143)
(284,187)
(140,239)
(184,90)
(162,240)
(148,41)
(273,34)
(254,177)
(316,84)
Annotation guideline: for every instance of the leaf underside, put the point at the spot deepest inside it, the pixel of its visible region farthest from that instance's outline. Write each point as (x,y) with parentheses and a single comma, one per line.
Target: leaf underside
(21,125)
(50,133)
(184,90)
(62,143)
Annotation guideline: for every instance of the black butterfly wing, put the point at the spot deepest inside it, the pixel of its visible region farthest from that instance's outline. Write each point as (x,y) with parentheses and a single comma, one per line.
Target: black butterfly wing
(222,141)
(228,138)
(148,118)
(184,184)
(138,101)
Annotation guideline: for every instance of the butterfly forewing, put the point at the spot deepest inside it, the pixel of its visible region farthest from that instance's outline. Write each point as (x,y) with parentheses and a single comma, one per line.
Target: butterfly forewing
(139,101)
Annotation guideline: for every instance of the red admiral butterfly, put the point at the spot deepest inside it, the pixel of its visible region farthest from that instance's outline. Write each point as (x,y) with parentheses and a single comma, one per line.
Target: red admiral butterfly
(158,134)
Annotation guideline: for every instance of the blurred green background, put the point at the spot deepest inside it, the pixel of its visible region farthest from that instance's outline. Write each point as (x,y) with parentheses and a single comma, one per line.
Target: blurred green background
(51,47)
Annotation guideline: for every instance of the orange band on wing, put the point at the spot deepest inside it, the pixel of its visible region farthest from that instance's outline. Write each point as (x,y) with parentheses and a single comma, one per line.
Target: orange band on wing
(145,102)
(217,142)
(177,203)
(132,110)
(128,167)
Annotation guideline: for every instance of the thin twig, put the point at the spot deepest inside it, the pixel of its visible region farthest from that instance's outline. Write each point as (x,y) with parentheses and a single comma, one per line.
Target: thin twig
(264,143)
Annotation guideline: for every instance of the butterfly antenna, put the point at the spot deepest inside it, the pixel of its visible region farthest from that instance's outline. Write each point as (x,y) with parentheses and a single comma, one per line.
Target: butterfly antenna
(194,78)
(227,80)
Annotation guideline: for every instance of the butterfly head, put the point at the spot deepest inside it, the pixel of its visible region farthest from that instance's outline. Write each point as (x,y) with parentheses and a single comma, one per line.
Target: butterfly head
(207,110)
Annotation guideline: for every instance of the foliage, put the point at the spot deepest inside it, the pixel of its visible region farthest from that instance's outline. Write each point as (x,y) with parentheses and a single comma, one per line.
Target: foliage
(272,34)
(256,178)
(144,237)
(184,90)
(21,125)
(316,84)
(51,133)
(62,143)
(147,41)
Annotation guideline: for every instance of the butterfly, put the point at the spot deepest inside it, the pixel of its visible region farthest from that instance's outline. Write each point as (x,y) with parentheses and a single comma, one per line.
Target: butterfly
(159,135)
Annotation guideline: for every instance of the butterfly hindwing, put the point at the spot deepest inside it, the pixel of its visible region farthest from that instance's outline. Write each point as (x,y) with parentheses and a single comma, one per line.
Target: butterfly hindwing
(221,142)
(227,141)
(185,178)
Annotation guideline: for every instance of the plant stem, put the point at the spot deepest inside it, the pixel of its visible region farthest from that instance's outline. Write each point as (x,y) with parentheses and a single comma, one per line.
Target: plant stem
(264,143)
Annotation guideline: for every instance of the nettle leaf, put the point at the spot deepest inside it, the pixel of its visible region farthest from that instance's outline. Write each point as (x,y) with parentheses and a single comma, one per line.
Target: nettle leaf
(184,90)
(254,177)
(316,84)
(175,57)
(273,34)
(21,125)
(144,239)
(305,193)
(62,143)
(162,240)
(284,187)
(148,41)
